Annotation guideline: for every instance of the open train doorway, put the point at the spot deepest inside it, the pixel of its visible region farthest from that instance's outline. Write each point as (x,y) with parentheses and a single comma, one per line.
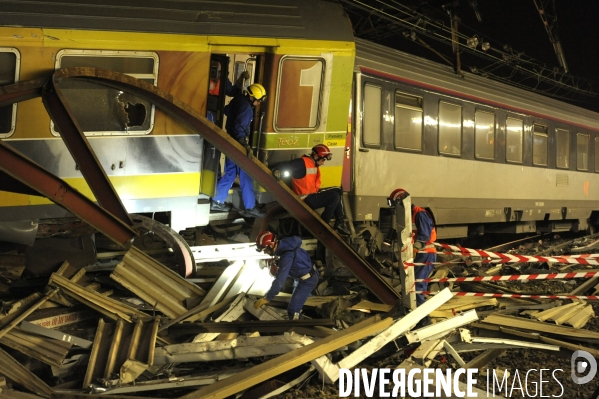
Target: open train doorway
(224,68)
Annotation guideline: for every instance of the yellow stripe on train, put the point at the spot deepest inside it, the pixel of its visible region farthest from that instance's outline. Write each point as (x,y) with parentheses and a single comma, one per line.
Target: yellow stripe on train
(128,188)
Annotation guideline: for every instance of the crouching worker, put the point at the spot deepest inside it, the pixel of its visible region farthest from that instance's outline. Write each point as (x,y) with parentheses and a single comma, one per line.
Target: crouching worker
(294,262)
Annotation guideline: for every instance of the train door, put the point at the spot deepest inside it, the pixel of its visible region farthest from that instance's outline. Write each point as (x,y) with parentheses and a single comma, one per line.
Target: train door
(215,104)
(223,69)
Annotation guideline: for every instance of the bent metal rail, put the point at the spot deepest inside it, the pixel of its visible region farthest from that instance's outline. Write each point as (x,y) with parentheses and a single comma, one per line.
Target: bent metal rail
(51,95)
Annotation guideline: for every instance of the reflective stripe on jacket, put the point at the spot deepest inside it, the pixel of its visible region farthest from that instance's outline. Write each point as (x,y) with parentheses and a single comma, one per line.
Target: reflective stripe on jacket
(429,247)
(310,183)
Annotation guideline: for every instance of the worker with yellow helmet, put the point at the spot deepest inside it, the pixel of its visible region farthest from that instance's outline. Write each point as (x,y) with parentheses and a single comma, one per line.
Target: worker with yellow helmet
(239,112)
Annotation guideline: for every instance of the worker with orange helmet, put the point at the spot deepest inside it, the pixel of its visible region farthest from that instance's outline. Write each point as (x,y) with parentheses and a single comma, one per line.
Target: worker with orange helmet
(305,179)
(293,261)
(239,112)
(424,234)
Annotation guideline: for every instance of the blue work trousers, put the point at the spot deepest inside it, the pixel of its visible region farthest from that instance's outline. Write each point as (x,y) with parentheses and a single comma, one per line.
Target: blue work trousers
(301,292)
(226,181)
(423,272)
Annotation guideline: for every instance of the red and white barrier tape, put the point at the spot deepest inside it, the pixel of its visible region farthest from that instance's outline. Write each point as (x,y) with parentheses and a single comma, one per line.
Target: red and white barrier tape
(505,258)
(514,277)
(525,296)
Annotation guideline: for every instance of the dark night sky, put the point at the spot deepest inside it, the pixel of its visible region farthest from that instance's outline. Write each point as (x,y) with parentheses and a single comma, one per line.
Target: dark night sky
(518,23)
(513,22)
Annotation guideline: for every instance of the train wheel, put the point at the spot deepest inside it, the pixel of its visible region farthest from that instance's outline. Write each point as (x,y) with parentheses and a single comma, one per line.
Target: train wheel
(154,235)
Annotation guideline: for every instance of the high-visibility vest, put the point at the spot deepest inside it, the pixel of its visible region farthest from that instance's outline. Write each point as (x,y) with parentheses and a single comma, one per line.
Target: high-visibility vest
(428,247)
(310,183)
(214,87)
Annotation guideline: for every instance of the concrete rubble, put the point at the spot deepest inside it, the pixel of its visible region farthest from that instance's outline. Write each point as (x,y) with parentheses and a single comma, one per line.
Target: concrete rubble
(141,329)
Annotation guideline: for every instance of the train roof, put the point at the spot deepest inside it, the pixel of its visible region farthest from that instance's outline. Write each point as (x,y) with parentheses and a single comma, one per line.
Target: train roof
(395,64)
(292,19)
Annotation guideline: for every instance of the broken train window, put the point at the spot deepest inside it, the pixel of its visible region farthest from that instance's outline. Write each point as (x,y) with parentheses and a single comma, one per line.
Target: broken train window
(99,109)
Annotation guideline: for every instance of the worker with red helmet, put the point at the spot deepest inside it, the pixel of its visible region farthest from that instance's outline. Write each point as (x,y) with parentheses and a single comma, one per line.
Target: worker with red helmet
(305,179)
(424,234)
(293,261)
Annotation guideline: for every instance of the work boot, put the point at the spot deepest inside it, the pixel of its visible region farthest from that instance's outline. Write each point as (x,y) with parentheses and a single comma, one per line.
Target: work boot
(296,316)
(220,207)
(252,213)
(342,230)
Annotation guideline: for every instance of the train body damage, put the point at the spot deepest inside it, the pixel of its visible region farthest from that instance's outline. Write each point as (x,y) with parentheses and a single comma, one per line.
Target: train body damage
(156,164)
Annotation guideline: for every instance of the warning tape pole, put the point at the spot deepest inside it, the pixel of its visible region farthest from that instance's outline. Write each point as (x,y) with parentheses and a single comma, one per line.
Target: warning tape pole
(486,294)
(514,277)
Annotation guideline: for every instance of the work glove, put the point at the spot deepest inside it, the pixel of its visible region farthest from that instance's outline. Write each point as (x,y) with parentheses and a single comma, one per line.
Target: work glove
(418,245)
(245,75)
(248,150)
(277,174)
(260,302)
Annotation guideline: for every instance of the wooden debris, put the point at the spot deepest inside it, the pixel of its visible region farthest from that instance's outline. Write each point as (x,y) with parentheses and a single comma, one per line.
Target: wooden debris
(456,305)
(530,325)
(129,356)
(290,360)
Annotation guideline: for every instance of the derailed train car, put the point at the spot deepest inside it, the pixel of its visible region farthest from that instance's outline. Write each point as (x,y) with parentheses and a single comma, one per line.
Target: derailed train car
(302,52)
(482,156)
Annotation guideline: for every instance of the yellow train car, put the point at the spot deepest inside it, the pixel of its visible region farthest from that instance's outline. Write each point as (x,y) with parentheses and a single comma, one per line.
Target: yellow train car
(302,52)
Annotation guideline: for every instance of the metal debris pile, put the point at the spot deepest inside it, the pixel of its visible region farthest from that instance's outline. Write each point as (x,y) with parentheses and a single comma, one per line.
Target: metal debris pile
(142,329)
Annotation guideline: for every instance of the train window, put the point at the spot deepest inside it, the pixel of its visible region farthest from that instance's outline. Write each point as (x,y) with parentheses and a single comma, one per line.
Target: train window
(514,129)
(582,151)
(101,110)
(299,93)
(450,129)
(484,135)
(9,74)
(563,148)
(408,121)
(539,145)
(596,154)
(371,115)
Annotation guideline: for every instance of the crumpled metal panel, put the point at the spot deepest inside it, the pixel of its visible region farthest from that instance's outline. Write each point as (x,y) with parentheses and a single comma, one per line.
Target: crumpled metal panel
(19,232)
(155,283)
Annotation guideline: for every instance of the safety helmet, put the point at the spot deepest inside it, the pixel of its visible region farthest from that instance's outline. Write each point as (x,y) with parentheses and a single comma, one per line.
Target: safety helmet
(257,91)
(322,152)
(397,195)
(264,239)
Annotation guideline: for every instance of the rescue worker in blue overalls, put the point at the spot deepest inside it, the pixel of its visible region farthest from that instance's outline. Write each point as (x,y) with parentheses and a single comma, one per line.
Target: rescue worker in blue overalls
(293,261)
(424,234)
(239,112)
